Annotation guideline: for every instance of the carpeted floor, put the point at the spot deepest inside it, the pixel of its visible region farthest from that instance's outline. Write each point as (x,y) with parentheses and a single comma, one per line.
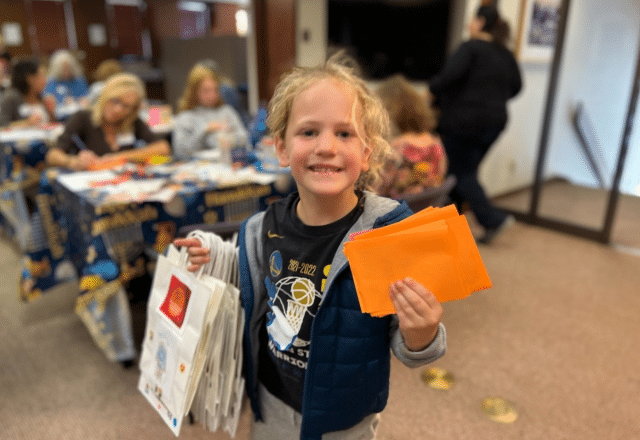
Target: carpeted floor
(557,337)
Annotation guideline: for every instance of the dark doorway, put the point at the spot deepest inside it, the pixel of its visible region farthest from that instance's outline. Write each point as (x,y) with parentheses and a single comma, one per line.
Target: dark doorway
(388,37)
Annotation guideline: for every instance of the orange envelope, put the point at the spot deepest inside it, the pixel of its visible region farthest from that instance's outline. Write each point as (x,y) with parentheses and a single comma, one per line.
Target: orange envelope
(434,246)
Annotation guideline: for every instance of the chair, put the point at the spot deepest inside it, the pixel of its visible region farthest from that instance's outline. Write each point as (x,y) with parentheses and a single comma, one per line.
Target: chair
(437,196)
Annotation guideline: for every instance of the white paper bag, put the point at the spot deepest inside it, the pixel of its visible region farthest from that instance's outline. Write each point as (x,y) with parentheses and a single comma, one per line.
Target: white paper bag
(180,309)
(192,350)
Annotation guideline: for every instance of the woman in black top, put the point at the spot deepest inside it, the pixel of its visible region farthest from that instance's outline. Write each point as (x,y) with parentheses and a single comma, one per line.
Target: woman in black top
(22,105)
(472,91)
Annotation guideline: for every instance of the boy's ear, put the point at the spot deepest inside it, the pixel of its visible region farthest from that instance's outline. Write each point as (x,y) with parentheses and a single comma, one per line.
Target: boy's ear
(365,159)
(281,151)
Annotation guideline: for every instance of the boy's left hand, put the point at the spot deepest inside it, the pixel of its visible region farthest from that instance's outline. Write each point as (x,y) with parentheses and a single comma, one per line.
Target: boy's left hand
(418,311)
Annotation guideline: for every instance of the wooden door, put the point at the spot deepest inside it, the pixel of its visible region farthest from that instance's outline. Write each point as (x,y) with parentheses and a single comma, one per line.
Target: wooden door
(50,26)
(276,41)
(87,14)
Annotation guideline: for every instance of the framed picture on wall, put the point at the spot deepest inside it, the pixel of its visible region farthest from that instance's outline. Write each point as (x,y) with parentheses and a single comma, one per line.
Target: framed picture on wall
(538,30)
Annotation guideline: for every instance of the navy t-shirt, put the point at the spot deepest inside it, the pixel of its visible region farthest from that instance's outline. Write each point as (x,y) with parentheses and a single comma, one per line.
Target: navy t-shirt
(299,259)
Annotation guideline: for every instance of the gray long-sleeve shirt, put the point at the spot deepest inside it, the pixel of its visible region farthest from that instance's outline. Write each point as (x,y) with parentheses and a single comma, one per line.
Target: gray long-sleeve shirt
(190,135)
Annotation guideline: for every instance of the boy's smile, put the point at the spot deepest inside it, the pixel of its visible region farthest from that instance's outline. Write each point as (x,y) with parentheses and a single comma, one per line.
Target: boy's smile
(323,144)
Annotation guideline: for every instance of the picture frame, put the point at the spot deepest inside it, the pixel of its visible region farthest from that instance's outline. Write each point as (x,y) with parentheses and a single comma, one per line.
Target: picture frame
(538,30)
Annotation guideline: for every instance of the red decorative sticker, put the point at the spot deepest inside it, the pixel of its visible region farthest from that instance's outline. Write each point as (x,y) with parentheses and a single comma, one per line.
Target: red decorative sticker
(175,303)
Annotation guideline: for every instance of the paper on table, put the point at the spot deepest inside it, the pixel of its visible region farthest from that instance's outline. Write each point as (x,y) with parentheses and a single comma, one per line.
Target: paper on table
(433,246)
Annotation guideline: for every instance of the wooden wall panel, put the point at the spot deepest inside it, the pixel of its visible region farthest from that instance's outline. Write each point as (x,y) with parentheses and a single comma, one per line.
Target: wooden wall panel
(223,19)
(14,11)
(276,36)
(128,24)
(50,26)
(86,13)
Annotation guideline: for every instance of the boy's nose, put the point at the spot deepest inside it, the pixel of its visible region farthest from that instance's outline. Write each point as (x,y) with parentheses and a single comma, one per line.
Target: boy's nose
(327,143)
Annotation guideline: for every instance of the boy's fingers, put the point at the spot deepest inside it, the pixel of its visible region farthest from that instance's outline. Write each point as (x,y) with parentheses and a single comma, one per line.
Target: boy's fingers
(198,251)
(423,292)
(178,242)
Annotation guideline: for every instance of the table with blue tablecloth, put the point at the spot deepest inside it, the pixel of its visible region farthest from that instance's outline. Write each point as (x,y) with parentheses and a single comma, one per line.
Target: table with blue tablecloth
(22,158)
(105,228)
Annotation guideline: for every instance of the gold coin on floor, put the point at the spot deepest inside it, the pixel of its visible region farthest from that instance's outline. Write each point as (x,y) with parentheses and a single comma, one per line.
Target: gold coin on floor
(437,378)
(499,410)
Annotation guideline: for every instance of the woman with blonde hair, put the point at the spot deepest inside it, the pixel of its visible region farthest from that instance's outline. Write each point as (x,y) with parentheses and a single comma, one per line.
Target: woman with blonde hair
(66,82)
(110,131)
(204,120)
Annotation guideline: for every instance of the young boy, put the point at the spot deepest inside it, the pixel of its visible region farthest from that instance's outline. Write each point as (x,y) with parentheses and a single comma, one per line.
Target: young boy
(315,365)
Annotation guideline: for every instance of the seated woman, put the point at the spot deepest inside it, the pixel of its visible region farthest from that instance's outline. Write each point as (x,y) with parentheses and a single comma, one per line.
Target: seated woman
(204,121)
(111,132)
(418,160)
(22,105)
(66,82)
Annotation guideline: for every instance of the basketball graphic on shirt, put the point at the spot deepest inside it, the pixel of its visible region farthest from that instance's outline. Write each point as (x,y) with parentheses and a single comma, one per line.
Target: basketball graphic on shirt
(303,291)
(294,296)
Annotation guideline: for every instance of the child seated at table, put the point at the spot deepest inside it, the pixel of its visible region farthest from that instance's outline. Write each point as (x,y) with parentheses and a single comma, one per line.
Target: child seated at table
(111,132)
(204,120)
(22,105)
(418,160)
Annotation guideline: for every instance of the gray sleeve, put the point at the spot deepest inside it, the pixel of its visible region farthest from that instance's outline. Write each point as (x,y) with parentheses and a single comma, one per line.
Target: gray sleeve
(235,126)
(9,105)
(188,135)
(414,359)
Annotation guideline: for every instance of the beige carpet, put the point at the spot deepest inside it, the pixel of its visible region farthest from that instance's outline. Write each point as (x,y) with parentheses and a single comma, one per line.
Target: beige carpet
(558,337)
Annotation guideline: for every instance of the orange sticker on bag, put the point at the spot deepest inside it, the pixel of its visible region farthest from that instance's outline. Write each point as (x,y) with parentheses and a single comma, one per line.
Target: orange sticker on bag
(176,301)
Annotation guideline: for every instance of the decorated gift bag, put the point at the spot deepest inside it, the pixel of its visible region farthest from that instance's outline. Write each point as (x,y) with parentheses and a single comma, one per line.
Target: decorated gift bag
(187,333)
(180,309)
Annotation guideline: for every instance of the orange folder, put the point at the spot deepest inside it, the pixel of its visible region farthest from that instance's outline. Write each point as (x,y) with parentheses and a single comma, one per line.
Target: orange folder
(434,246)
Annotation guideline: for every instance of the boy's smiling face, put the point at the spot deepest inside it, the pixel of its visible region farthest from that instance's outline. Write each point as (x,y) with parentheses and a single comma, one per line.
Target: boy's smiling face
(322,144)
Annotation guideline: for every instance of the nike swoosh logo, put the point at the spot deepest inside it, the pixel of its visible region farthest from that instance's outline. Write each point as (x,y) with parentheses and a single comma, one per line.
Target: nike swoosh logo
(273,235)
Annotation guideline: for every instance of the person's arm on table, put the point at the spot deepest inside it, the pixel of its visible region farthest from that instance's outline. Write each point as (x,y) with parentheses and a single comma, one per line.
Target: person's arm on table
(158,148)
(67,153)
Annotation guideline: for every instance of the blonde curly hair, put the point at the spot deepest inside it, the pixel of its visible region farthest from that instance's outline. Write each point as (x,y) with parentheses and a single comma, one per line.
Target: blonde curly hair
(366,105)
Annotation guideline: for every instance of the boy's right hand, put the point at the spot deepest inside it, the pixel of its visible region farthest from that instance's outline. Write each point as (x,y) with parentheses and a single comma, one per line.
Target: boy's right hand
(198,255)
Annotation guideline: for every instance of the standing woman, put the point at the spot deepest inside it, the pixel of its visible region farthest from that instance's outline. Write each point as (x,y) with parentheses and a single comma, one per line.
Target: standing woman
(22,105)
(203,116)
(110,132)
(472,91)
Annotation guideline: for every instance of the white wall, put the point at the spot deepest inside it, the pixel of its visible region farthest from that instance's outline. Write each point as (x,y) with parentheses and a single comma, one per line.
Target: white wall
(601,49)
(597,69)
